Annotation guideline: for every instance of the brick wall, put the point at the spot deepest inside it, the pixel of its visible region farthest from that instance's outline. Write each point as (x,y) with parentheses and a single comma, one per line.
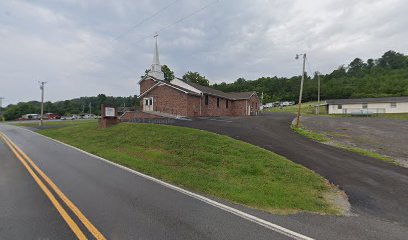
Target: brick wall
(239,108)
(213,110)
(146,84)
(193,106)
(169,100)
(254,102)
(128,116)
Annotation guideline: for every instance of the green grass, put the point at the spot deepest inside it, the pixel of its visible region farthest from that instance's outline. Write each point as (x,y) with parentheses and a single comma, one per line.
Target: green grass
(369,154)
(306,109)
(309,134)
(61,123)
(401,116)
(205,162)
(325,139)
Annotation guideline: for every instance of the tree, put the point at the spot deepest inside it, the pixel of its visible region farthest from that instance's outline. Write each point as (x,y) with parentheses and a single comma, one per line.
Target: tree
(393,60)
(168,74)
(240,80)
(195,77)
(370,63)
(356,67)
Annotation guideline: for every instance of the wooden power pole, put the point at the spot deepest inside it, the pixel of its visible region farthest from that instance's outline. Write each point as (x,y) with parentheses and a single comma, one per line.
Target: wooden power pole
(301,88)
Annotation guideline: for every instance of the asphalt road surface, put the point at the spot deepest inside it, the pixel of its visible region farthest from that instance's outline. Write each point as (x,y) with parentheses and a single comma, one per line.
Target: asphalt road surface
(377,190)
(120,204)
(374,187)
(123,205)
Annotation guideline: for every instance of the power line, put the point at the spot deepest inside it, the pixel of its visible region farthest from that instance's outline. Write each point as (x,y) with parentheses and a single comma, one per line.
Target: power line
(130,29)
(308,66)
(144,20)
(187,16)
(163,28)
(175,22)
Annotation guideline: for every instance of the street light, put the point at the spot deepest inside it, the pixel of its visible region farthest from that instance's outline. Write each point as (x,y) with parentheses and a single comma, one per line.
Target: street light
(301,88)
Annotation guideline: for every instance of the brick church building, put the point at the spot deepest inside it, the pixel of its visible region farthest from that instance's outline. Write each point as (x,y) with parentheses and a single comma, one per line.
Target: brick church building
(182,98)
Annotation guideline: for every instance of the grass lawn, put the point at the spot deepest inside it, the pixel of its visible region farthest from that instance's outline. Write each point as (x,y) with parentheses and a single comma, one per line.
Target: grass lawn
(401,116)
(205,162)
(307,108)
(309,134)
(58,123)
(323,138)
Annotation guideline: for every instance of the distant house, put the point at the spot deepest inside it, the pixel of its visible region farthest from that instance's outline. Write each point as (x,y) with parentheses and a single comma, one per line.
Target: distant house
(368,105)
(182,98)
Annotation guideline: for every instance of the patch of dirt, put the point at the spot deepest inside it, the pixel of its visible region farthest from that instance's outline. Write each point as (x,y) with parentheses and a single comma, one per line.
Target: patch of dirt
(339,200)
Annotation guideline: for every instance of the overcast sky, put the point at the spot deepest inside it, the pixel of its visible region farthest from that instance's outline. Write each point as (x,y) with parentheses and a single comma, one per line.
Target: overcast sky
(82,48)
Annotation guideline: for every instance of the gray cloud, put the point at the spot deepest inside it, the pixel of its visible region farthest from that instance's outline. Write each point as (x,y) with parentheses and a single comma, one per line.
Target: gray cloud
(84,48)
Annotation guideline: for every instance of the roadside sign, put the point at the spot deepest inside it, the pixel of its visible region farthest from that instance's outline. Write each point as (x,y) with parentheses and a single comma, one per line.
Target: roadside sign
(110,112)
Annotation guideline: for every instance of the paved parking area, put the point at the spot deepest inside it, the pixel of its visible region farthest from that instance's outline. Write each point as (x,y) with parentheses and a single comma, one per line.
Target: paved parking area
(375,188)
(385,136)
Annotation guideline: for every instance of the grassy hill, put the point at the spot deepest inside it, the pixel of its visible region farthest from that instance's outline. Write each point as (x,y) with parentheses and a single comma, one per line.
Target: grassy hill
(205,162)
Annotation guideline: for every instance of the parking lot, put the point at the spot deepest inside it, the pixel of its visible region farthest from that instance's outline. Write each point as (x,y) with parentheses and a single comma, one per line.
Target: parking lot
(388,137)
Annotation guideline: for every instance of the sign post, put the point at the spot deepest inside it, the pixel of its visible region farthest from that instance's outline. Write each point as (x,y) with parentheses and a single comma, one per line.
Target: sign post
(109,117)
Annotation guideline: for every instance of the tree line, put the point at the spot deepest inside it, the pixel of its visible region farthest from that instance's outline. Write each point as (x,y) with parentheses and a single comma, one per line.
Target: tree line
(68,107)
(383,77)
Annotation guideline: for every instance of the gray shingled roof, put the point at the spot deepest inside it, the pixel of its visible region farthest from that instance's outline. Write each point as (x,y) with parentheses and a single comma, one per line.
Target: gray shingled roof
(368,100)
(218,93)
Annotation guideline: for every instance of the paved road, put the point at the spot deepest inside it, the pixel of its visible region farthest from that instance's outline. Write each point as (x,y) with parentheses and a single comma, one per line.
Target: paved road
(123,205)
(24,209)
(376,190)
(120,204)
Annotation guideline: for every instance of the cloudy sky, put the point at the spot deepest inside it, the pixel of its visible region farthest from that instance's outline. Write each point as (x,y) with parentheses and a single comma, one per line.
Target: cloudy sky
(86,47)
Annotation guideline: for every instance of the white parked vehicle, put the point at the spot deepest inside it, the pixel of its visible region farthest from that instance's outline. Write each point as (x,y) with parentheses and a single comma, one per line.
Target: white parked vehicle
(68,118)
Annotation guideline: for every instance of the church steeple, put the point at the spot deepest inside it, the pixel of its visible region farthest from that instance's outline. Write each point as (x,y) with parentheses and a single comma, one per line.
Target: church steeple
(155,70)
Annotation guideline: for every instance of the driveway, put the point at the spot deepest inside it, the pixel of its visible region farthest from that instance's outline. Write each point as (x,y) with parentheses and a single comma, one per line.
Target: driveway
(376,190)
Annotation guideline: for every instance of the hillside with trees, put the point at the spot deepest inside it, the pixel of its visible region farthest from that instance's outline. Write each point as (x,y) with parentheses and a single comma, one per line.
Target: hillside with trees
(67,107)
(383,77)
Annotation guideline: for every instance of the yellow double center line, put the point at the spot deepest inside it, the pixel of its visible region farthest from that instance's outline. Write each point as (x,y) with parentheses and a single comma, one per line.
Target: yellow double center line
(26,161)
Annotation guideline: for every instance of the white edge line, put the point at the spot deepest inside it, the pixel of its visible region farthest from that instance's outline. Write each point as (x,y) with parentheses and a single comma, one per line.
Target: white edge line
(249,217)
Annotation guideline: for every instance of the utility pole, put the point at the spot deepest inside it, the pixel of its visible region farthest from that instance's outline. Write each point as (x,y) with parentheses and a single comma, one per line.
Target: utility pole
(42,102)
(301,88)
(318,94)
(1,106)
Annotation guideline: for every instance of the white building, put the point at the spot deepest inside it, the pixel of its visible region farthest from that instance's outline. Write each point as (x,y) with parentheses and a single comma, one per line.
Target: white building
(368,105)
